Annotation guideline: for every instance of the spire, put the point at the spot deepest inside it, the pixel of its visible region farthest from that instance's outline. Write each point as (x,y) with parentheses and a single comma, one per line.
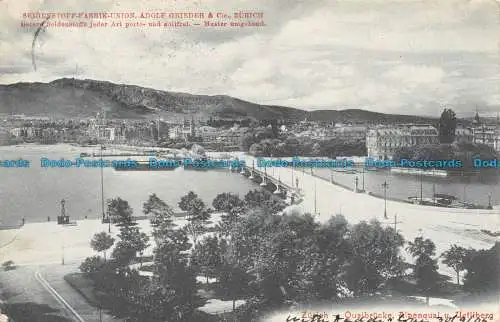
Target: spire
(476,118)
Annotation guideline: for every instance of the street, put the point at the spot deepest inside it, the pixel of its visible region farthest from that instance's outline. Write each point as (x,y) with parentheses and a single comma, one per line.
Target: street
(37,291)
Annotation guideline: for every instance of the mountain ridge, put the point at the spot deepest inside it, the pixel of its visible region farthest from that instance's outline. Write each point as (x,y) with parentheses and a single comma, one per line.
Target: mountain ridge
(80,98)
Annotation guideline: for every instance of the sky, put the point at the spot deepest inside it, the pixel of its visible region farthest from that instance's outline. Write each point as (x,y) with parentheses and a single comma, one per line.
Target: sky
(389,56)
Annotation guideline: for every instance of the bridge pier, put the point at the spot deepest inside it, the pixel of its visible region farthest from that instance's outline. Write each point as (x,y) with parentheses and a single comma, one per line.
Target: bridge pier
(263,183)
(251,177)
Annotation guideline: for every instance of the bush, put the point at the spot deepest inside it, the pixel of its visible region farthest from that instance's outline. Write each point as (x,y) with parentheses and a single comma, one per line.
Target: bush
(8,265)
(91,265)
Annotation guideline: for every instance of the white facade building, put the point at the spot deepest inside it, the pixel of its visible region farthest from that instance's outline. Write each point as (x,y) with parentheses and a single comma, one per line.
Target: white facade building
(383,142)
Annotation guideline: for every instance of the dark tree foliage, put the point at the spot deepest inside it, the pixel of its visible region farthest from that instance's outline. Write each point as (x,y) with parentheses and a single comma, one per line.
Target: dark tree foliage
(374,257)
(447,125)
(483,270)
(454,258)
(120,212)
(263,199)
(425,271)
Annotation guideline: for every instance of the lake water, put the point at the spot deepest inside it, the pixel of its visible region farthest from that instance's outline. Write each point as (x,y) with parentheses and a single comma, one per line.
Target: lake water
(35,193)
(478,190)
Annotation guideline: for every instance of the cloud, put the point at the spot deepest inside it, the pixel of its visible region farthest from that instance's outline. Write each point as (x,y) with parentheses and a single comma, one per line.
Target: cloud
(379,55)
(415,74)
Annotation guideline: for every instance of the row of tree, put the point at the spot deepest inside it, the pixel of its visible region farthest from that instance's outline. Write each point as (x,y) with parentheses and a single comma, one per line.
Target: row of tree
(268,258)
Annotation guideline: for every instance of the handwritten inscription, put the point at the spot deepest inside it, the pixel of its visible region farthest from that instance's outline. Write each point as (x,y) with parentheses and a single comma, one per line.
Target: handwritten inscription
(387,317)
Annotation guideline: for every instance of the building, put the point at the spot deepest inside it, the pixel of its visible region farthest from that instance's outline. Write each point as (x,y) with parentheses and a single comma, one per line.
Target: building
(230,140)
(383,142)
(486,134)
(98,129)
(207,134)
(348,133)
(463,134)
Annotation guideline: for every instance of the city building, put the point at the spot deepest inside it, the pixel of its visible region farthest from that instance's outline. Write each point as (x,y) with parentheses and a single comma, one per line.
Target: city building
(185,131)
(207,134)
(486,134)
(383,142)
(98,128)
(463,134)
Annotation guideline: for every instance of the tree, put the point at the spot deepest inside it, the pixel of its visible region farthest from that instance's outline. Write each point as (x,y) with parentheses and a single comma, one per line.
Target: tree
(120,212)
(454,258)
(132,239)
(447,125)
(91,265)
(374,257)
(207,254)
(102,242)
(198,214)
(161,216)
(425,271)
(246,141)
(171,296)
(186,200)
(232,206)
(226,202)
(263,199)
(483,270)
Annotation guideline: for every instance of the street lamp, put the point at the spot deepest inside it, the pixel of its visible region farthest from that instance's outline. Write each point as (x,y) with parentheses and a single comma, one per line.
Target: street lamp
(385,185)
(102,183)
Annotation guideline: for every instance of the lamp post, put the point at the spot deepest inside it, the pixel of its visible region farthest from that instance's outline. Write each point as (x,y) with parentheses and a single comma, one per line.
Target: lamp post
(363,179)
(489,201)
(385,186)
(315,197)
(356,186)
(102,183)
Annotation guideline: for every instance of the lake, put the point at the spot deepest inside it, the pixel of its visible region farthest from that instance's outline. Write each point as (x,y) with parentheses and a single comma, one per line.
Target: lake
(35,193)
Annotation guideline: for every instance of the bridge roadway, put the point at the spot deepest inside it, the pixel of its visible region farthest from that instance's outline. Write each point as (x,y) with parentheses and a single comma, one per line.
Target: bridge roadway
(444,226)
(267,178)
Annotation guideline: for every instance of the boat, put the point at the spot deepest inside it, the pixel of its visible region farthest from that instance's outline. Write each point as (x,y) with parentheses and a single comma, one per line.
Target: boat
(416,171)
(84,155)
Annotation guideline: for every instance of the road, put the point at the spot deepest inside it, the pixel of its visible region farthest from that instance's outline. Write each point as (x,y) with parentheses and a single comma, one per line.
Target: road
(39,290)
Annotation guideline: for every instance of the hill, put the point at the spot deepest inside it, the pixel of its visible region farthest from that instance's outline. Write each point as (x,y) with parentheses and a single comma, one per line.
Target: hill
(76,98)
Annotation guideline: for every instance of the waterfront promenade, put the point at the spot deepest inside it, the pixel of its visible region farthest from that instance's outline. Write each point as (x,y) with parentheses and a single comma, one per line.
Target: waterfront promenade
(444,226)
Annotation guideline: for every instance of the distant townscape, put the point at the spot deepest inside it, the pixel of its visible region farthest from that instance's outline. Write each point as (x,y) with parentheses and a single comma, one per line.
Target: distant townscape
(273,137)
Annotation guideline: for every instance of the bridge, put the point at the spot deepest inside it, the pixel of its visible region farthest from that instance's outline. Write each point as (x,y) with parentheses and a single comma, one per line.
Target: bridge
(268,179)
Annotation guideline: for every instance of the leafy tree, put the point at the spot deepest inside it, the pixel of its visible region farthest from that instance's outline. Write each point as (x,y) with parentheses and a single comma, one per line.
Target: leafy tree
(425,271)
(171,296)
(454,258)
(421,246)
(483,270)
(197,212)
(327,260)
(208,255)
(186,200)
(246,141)
(123,253)
(374,257)
(226,202)
(232,206)
(120,212)
(102,242)
(447,125)
(133,240)
(91,265)
(161,216)
(263,199)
